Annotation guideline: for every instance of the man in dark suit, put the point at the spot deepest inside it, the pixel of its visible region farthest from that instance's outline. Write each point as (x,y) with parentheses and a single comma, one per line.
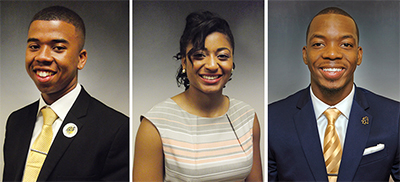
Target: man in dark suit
(90,140)
(366,129)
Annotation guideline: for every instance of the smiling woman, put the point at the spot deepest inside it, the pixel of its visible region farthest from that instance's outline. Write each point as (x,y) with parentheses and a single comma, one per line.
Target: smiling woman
(209,69)
(200,134)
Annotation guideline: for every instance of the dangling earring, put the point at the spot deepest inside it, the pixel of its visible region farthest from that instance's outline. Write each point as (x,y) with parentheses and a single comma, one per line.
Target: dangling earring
(183,71)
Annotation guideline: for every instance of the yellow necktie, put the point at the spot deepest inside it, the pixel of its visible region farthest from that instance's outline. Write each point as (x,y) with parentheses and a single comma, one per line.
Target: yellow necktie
(40,147)
(332,147)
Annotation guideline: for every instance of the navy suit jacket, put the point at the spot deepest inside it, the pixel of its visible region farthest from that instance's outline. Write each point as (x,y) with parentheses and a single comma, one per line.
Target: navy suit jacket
(98,152)
(294,147)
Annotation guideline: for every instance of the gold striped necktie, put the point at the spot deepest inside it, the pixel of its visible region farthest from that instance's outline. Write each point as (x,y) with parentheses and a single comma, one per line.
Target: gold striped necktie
(332,147)
(40,147)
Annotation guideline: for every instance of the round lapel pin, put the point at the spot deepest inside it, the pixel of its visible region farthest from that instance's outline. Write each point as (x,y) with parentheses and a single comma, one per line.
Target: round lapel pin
(70,130)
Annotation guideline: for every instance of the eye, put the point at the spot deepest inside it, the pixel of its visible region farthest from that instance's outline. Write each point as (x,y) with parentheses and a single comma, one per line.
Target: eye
(59,48)
(317,45)
(33,47)
(347,45)
(223,56)
(198,56)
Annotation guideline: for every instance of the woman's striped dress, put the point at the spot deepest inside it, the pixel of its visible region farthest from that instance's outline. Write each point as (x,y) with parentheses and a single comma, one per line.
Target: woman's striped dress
(205,149)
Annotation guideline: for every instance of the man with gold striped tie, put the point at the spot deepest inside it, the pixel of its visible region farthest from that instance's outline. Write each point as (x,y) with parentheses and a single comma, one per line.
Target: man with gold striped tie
(333,130)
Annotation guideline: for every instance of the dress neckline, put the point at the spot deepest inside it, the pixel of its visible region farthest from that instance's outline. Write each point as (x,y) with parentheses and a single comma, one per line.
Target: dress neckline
(223,115)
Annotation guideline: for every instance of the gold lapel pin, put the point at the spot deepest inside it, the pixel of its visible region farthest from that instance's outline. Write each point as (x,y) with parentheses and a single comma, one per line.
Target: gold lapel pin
(365,120)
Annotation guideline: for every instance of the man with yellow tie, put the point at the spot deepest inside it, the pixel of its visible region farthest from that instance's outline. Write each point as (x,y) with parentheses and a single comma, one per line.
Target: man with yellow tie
(67,135)
(333,130)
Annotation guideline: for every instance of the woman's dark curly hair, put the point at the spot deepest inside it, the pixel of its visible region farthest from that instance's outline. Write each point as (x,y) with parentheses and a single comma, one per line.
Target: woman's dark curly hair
(198,26)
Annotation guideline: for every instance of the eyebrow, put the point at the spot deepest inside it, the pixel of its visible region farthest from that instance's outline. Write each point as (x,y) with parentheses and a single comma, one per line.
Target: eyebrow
(53,41)
(321,36)
(348,36)
(223,48)
(316,36)
(219,49)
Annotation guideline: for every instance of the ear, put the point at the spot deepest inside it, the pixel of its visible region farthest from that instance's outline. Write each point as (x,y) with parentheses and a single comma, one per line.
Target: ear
(183,62)
(304,51)
(82,59)
(360,54)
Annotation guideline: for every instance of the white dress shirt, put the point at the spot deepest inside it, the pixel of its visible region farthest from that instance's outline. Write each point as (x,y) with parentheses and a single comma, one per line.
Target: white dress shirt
(342,121)
(61,107)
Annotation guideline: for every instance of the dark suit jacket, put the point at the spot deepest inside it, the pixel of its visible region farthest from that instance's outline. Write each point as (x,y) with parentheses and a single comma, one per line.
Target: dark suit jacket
(294,147)
(99,151)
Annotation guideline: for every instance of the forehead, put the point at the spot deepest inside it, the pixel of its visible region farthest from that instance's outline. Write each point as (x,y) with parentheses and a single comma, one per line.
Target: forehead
(217,38)
(54,29)
(333,24)
(214,40)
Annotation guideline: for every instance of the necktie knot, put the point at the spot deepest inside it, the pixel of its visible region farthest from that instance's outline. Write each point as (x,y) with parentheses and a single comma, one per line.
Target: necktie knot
(49,116)
(332,114)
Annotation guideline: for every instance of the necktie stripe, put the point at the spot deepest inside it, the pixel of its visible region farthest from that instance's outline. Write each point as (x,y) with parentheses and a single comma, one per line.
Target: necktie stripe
(332,147)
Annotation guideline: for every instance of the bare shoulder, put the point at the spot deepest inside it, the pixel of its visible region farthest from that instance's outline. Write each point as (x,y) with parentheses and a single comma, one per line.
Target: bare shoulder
(149,158)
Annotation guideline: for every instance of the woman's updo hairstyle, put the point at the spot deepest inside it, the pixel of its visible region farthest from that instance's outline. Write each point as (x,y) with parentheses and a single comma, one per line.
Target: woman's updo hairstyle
(198,26)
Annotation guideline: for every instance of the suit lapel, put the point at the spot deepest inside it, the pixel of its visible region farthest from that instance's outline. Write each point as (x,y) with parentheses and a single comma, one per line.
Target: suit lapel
(307,131)
(61,143)
(356,137)
(26,135)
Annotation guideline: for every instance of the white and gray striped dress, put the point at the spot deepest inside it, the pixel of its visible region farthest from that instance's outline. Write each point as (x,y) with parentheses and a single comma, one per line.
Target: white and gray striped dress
(205,149)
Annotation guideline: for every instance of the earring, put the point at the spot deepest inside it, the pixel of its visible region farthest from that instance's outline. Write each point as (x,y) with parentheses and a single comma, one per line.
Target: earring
(232,70)
(183,71)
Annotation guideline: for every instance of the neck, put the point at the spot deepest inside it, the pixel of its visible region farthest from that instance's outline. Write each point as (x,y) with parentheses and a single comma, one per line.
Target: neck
(50,98)
(205,105)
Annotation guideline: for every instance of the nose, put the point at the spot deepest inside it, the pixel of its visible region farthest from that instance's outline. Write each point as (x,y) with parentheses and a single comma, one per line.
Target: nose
(212,63)
(332,52)
(44,55)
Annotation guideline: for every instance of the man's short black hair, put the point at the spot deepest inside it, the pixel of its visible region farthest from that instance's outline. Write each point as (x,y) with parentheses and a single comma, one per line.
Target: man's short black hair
(333,10)
(62,14)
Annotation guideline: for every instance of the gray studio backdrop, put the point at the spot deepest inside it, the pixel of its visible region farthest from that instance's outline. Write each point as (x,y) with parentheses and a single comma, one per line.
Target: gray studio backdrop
(156,31)
(378,23)
(106,74)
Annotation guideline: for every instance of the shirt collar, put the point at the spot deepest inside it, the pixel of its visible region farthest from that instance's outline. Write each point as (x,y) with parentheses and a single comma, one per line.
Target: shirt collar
(344,106)
(62,106)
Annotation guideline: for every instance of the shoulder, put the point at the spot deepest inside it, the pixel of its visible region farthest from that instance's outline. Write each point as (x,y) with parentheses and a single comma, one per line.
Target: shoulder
(241,113)
(107,110)
(375,98)
(108,119)
(376,103)
(25,111)
(282,112)
(97,109)
(235,103)
(93,112)
(164,112)
(290,102)
(23,116)
(166,106)
(27,108)
(239,107)
(99,122)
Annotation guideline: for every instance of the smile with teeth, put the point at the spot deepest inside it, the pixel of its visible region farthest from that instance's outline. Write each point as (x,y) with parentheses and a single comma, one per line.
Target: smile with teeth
(44,74)
(210,77)
(332,69)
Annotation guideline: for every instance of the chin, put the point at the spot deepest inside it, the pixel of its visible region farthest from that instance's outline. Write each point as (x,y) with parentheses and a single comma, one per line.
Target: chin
(331,88)
(211,90)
